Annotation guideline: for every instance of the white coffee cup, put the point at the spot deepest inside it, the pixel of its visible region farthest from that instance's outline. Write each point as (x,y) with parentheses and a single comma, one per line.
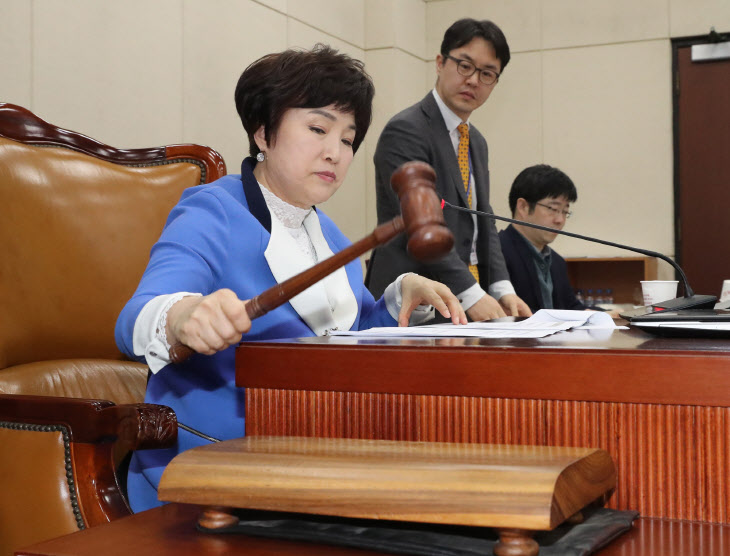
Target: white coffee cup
(656,291)
(725,291)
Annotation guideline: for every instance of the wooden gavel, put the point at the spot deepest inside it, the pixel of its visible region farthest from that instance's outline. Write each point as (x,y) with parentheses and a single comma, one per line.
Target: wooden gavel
(428,239)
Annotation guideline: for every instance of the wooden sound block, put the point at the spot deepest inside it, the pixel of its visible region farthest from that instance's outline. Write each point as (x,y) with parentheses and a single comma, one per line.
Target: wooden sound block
(523,487)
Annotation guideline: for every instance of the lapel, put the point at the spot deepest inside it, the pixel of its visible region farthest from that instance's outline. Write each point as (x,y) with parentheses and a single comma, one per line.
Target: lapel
(286,260)
(442,142)
(254,198)
(330,303)
(339,292)
(522,250)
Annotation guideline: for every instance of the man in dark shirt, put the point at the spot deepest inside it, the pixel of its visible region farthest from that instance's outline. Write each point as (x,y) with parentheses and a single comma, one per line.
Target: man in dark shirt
(539,195)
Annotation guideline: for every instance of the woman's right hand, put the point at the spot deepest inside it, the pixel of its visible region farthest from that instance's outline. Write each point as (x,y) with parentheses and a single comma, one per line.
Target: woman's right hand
(208,324)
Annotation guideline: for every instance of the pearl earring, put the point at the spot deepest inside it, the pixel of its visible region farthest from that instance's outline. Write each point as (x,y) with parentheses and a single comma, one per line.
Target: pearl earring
(261,156)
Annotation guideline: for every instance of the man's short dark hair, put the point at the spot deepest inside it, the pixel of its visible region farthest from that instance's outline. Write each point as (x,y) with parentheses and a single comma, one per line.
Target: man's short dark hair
(541,182)
(463,31)
(302,79)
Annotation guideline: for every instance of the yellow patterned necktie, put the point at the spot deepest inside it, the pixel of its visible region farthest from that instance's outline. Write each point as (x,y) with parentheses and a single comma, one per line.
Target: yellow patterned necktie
(465,175)
(464,158)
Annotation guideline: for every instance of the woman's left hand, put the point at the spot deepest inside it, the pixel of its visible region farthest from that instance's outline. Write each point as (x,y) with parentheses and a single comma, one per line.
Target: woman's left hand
(417,290)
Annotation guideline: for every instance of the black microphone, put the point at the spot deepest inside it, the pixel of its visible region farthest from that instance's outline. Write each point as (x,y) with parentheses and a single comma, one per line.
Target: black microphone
(691,300)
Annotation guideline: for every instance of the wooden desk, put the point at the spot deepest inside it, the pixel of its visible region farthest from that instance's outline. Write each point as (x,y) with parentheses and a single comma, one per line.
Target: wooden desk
(170,531)
(661,407)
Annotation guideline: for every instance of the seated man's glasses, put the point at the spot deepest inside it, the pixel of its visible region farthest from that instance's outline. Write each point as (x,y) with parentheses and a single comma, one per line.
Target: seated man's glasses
(555,211)
(467,69)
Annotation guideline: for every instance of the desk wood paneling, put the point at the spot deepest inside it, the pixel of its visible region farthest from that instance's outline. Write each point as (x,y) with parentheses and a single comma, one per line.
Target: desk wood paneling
(660,407)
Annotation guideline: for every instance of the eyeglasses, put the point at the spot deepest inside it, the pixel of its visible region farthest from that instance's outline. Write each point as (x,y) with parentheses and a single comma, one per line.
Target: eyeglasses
(467,69)
(555,211)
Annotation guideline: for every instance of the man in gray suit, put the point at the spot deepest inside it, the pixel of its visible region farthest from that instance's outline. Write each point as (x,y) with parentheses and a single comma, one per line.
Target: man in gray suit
(436,130)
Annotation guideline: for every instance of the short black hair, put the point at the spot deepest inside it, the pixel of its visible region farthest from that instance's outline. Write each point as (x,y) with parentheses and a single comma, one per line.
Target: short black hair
(303,79)
(463,31)
(541,182)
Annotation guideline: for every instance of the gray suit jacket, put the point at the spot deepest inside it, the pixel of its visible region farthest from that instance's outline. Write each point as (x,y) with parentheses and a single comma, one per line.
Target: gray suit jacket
(419,133)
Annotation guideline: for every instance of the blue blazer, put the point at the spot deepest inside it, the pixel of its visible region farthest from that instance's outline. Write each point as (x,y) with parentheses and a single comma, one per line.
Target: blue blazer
(523,273)
(215,238)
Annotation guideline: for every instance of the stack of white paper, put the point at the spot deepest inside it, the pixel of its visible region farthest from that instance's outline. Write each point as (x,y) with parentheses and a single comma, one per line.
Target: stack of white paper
(685,324)
(543,323)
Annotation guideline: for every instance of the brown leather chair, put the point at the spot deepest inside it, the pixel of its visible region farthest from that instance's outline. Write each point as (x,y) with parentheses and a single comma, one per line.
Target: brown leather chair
(57,468)
(77,221)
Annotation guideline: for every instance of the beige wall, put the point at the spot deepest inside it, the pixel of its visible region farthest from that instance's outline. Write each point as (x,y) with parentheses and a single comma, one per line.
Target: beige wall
(587,90)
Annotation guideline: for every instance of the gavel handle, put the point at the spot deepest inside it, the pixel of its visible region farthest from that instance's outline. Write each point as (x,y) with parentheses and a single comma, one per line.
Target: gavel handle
(281,293)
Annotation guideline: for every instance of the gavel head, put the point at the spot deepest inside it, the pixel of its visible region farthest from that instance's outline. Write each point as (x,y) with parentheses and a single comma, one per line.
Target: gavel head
(428,237)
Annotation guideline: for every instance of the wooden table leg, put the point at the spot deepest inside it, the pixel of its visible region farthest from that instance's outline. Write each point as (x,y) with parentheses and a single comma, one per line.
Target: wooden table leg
(516,542)
(217,517)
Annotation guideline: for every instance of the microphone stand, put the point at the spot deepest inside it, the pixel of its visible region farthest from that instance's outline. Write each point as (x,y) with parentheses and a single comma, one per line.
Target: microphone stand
(690,300)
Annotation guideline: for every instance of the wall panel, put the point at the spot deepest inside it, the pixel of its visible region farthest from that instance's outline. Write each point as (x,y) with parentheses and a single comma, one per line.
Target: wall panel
(343,19)
(608,124)
(111,70)
(218,44)
(568,23)
(16,38)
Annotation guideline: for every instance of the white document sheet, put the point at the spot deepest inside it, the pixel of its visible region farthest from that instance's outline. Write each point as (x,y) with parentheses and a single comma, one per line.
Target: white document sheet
(689,324)
(543,323)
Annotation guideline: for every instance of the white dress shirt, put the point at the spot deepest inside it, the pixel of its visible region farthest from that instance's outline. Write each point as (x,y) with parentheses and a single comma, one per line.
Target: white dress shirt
(497,289)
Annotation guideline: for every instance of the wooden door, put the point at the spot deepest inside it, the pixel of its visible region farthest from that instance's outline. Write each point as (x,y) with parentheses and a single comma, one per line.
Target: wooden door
(702,169)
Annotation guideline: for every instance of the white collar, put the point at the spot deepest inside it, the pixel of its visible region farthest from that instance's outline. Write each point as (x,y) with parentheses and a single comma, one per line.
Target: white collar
(330,303)
(451,120)
(289,215)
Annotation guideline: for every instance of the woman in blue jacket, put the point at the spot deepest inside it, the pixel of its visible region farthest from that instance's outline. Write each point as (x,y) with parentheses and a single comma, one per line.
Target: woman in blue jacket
(306,114)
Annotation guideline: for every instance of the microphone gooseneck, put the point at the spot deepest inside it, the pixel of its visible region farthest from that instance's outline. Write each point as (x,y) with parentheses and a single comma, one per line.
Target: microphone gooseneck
(690,298)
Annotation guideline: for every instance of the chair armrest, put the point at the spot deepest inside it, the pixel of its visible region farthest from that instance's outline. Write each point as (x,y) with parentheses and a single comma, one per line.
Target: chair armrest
(137,426)
(75,479)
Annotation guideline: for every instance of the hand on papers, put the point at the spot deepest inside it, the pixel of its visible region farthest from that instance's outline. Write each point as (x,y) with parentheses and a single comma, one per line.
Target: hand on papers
(486,308)
(514,306)
(208,324)
(417,290)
